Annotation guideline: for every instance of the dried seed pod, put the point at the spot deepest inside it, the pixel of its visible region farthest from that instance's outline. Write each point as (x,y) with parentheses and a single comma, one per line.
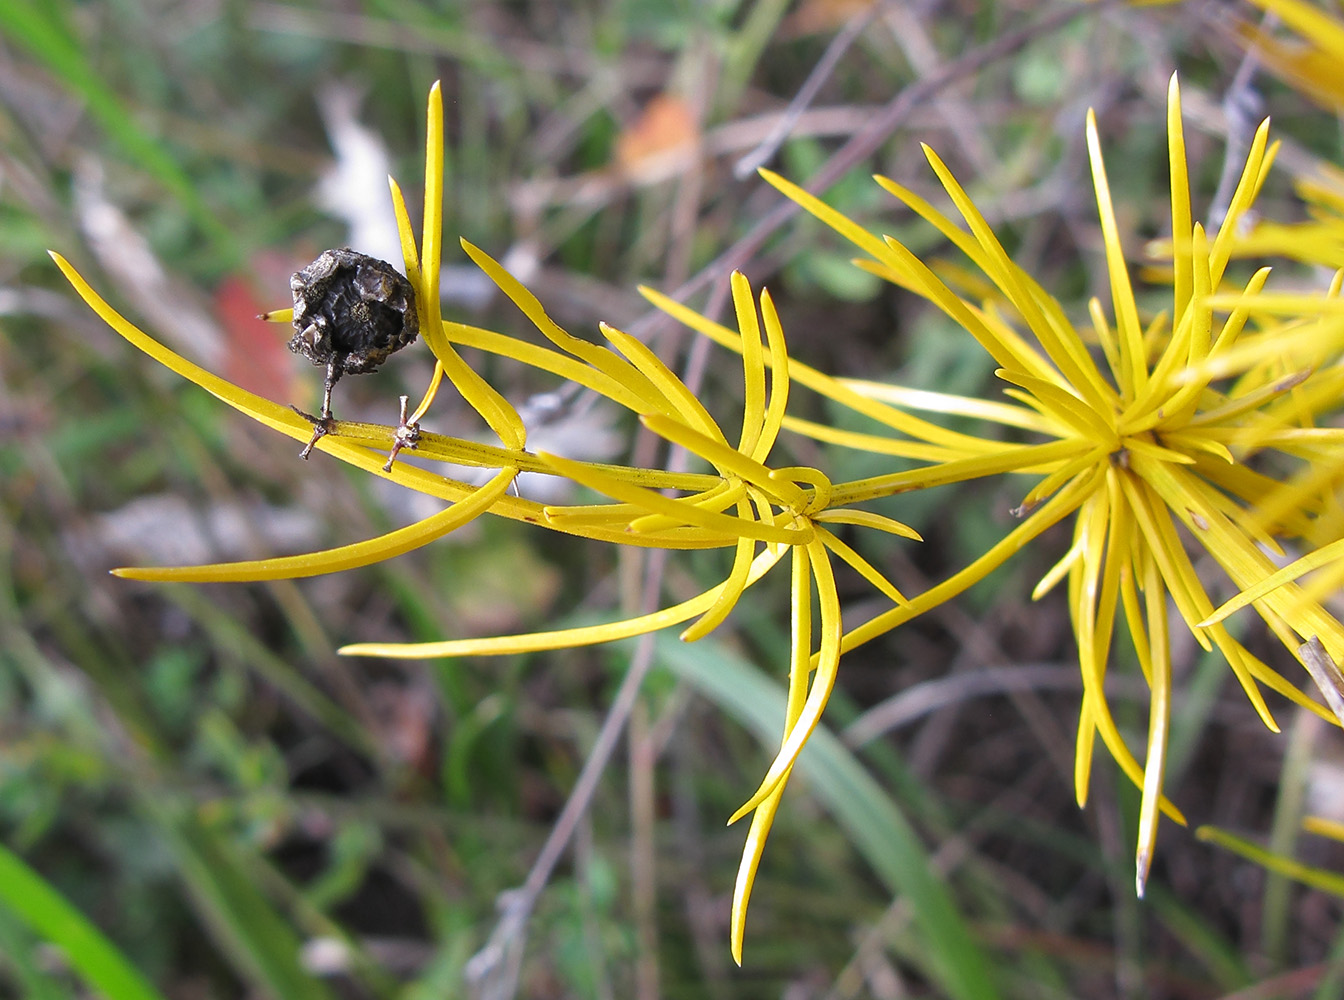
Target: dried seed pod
(351,312)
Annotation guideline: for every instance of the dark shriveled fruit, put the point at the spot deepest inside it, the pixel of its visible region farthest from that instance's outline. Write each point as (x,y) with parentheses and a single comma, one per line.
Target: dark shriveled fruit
(351,312)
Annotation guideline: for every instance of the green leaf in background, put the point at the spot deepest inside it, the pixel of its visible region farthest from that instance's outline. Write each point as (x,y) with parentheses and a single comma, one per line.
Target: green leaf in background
(263,944)
(41,30)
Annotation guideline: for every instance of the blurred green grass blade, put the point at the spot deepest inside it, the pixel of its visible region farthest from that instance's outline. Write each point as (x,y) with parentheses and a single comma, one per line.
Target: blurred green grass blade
(1317,878)
(1225,963)
(875,825)
(1277,909)
(42,29)
(32,899)
(744,47)
(456,931)
(229,634)
(1332,983)
(264,946)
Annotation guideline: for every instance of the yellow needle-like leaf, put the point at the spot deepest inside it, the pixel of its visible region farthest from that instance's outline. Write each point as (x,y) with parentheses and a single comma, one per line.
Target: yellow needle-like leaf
(1295,570)
(1159,725)
(727,460)
(733,587)
(779,386)
(588,635)
(494,409)
(753,363)
(827,667)
(681,510)
(867,519)
(387,546)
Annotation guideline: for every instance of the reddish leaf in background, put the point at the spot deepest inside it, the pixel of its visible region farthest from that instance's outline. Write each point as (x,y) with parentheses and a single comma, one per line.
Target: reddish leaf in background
(662,142)
(257,358)
(818,16)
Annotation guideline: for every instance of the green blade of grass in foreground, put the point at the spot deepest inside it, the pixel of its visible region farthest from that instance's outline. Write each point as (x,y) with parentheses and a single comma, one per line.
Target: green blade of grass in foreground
(51,916)
(875,825)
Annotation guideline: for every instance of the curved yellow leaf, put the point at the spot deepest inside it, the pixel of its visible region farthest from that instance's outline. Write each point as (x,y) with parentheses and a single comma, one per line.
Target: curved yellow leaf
(588,635)
(387,546)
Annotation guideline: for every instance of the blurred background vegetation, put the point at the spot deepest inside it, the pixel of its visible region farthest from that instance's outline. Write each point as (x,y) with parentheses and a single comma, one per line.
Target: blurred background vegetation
(243,813)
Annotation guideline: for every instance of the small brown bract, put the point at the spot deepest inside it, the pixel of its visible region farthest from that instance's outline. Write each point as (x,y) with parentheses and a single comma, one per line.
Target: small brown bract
(351,312)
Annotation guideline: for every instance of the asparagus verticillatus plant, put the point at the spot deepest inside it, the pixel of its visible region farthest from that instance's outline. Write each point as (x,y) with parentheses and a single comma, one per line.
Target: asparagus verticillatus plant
(1153,449)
